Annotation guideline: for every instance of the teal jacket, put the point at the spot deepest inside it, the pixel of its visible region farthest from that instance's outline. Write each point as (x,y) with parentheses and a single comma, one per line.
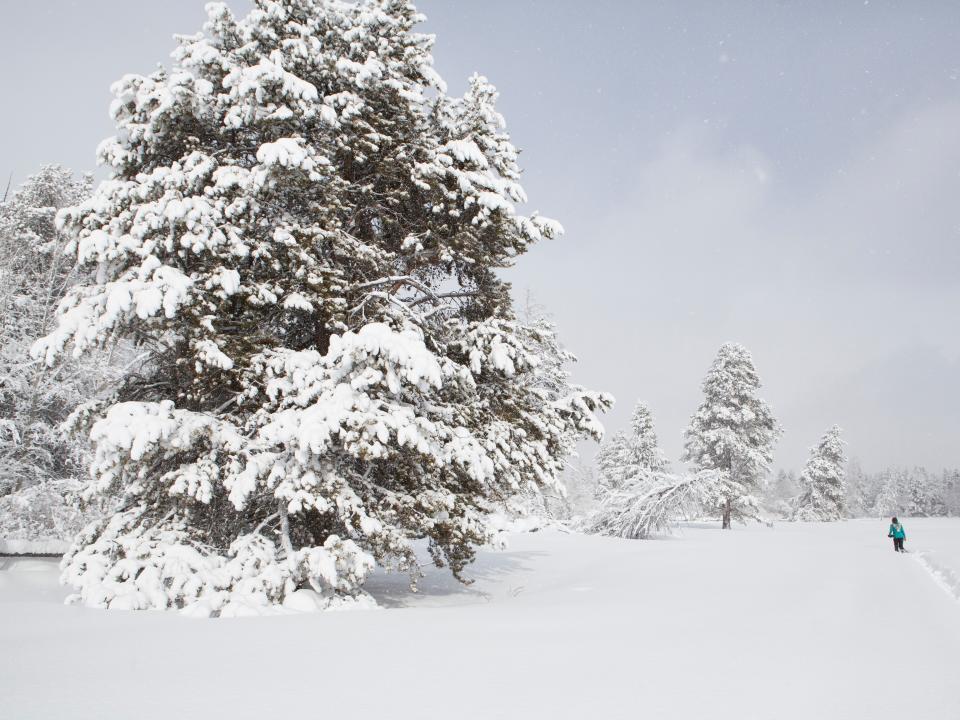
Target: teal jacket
(896,531)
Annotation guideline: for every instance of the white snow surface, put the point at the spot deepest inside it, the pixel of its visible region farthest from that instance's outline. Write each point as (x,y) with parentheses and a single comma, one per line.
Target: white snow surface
(802,620)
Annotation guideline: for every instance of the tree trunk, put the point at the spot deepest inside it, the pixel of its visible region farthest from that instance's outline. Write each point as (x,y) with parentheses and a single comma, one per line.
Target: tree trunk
(726,514)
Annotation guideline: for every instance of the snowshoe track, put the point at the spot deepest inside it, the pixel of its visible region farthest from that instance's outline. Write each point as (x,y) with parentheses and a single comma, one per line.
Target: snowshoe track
(946,578)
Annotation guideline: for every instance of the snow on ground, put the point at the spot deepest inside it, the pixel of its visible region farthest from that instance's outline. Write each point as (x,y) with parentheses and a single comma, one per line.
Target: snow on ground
(795,621)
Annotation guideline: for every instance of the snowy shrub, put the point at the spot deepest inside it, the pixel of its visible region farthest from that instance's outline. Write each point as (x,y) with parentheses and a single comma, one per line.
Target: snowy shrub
(303,231)
(822,480)
(733,432)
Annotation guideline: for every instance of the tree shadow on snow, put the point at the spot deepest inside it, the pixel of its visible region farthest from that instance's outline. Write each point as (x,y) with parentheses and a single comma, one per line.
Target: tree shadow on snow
(392,589)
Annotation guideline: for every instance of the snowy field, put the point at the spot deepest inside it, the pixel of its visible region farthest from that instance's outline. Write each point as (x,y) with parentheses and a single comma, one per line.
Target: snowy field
(796,621)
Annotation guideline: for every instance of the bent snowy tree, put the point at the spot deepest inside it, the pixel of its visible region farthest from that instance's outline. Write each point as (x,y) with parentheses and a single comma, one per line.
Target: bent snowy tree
(650,501)
(303,229)
(824,490)
(733,432)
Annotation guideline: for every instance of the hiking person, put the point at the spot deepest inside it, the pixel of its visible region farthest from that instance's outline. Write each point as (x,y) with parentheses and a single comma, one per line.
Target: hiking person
(898,534)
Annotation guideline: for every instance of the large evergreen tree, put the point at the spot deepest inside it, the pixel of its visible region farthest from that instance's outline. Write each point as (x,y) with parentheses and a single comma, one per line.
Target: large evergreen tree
(824,490)
(733,432)
(304,231)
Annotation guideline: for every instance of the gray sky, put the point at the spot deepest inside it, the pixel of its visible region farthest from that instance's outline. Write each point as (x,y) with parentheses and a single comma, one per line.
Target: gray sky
(786,175)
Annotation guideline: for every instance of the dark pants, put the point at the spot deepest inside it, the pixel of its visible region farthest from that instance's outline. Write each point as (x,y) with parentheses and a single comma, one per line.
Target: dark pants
(898,544)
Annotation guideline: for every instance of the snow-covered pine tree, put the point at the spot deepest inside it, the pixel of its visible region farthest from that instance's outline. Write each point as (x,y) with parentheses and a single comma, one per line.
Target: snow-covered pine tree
(40,465)
(304,230)
(890,498)
(824,490)
(858,489)
(632,452)
(733,432)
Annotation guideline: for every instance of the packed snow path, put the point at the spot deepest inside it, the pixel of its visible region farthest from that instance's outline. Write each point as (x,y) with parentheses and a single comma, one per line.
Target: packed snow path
(796,621)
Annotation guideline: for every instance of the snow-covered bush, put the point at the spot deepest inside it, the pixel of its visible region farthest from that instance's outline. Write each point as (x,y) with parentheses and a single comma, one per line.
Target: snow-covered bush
(303,230)
(733,432)
(824,490)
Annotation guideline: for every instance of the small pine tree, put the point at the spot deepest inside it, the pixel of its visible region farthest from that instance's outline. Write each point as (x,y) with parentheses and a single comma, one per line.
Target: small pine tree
(305,231)
(633,452)
(733,432)
(824,490)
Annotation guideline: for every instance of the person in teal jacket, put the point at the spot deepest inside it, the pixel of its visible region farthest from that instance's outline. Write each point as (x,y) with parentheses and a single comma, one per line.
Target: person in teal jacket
(898,534)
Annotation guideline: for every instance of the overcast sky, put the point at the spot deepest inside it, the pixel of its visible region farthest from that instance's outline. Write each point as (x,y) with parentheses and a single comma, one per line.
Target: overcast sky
(785,175)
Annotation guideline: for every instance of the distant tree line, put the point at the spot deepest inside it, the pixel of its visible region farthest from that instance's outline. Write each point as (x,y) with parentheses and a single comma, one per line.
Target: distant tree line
(910,491)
